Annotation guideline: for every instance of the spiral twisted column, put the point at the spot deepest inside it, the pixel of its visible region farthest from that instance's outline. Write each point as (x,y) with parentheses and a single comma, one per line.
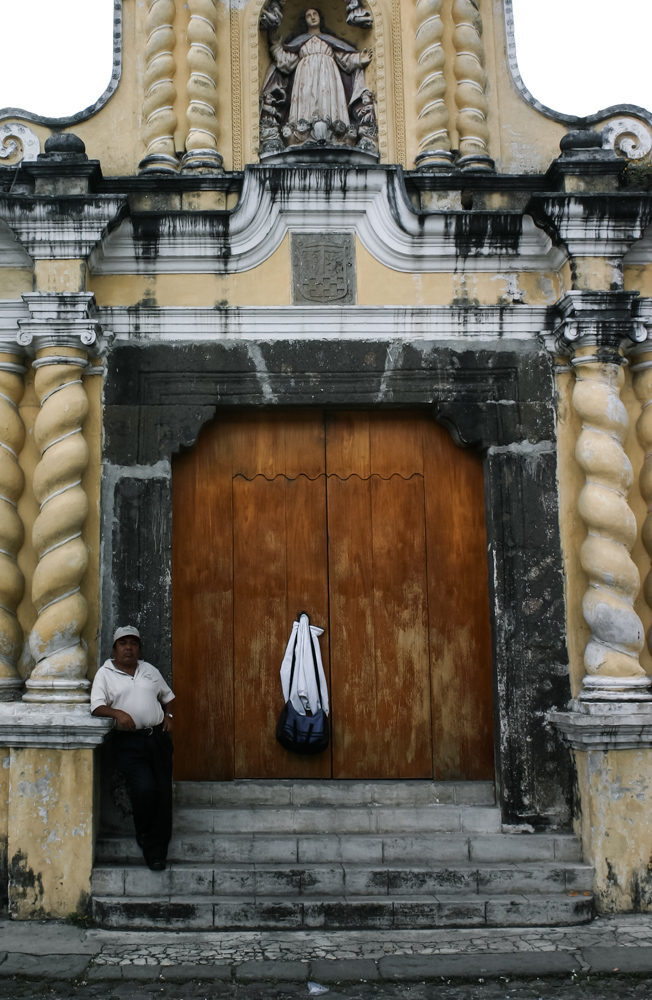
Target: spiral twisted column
(432,114)
(160,92)
(201,144)
(641,368)
(62,330)
(596,325)
(12,437)
(471,88)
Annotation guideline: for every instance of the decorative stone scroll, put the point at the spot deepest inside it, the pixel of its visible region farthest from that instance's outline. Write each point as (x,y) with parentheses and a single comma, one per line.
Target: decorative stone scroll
(201,144)
(17,144)
(160,92)
(627,136)
(471,89)
(432,114)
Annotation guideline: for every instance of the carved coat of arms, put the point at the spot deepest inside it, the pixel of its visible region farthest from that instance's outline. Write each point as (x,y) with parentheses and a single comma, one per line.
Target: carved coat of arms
(323,269)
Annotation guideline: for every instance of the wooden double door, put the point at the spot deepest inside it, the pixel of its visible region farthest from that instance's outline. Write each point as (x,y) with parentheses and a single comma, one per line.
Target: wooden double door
(373,523)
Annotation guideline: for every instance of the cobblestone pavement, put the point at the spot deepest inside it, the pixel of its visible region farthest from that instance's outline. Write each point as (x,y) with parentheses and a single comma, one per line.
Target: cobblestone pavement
(611,957)
(165,949)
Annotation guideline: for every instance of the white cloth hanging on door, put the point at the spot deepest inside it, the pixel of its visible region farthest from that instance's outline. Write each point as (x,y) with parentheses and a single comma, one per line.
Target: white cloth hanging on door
(304,694)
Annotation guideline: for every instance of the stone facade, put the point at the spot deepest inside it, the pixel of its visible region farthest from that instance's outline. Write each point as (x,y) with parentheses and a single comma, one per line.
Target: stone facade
(491,262)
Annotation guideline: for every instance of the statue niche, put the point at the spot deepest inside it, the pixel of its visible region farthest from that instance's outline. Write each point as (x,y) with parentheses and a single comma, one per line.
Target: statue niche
(315,100)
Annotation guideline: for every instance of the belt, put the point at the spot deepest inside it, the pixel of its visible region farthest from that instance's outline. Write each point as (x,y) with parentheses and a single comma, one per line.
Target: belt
(146,731)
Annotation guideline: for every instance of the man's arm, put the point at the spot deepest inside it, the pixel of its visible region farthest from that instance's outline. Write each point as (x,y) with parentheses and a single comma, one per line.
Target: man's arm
(123,719)
(168,724)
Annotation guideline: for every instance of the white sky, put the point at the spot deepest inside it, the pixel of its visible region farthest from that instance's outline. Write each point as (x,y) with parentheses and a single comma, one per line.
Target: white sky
(577,56)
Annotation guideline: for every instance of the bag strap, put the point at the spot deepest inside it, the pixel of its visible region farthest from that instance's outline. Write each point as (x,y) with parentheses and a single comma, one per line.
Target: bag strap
(314,663)
(312,650)
(294,660)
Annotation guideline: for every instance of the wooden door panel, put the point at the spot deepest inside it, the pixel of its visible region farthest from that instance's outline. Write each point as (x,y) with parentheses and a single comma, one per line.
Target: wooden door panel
(379,628)
(280,568)
(383,443)
(202,610)
(458,603)
(278,444)
(264,509)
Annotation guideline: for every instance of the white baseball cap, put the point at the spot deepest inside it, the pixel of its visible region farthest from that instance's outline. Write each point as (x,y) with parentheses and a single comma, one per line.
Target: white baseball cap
(125,630)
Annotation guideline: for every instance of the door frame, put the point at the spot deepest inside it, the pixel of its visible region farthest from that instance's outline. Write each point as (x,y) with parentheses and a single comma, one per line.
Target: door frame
(157,398)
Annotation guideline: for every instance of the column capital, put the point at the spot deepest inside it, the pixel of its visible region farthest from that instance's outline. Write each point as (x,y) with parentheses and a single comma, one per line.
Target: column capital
(64,319)
(606,321)
(11,312)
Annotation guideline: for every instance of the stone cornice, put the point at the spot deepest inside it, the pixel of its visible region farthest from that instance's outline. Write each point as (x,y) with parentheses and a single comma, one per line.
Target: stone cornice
(395,323)
(625,730)
(60,227)
(593,224)
(373,202)
(23,725)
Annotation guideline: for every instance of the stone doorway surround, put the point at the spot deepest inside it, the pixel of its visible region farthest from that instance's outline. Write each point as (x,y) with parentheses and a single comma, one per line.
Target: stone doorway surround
(498,398)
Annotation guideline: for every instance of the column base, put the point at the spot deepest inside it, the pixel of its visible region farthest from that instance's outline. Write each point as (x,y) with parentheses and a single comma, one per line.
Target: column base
(11,688)
(476,162)
(159,163)
(202,161)
(606,691)
(435,159)
(59,691)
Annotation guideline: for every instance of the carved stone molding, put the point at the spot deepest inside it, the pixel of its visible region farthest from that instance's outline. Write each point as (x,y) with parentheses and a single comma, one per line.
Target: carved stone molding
(630,730)
(56,727)
(374,202)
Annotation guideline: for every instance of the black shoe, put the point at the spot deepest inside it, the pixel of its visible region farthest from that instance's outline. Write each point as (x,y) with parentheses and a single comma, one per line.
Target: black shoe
(156,866)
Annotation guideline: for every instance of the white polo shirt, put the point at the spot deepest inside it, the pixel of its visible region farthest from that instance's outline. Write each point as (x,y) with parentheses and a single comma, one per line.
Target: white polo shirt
(141,696)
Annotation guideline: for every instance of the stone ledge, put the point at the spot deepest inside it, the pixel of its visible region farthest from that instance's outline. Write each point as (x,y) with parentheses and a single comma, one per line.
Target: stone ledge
(628,729)
(60,728)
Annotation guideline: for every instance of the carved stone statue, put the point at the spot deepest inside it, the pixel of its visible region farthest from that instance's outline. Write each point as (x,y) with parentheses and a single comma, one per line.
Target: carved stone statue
(315,92)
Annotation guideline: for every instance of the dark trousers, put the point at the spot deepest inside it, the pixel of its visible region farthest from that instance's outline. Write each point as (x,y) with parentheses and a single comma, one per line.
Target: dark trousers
(146,763)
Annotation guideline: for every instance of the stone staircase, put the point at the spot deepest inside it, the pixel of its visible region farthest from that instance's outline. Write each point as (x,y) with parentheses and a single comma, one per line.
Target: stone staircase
(298,855)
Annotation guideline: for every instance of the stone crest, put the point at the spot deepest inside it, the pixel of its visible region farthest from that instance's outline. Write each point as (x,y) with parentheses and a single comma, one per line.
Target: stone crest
(323,269)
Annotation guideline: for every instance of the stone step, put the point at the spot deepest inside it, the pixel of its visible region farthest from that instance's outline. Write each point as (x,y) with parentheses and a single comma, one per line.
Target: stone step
(339,819)
(340,913)
(333,793)
(337,880)
(403,849)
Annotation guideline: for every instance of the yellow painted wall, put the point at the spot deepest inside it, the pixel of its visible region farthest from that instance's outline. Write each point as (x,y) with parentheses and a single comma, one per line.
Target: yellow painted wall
(50,832)
(615,790)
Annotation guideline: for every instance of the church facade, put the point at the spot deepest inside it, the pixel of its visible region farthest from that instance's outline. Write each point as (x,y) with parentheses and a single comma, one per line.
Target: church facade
(320,309)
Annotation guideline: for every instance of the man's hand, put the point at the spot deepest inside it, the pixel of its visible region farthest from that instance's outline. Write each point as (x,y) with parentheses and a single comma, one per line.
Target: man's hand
(168,724)
(123,720)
